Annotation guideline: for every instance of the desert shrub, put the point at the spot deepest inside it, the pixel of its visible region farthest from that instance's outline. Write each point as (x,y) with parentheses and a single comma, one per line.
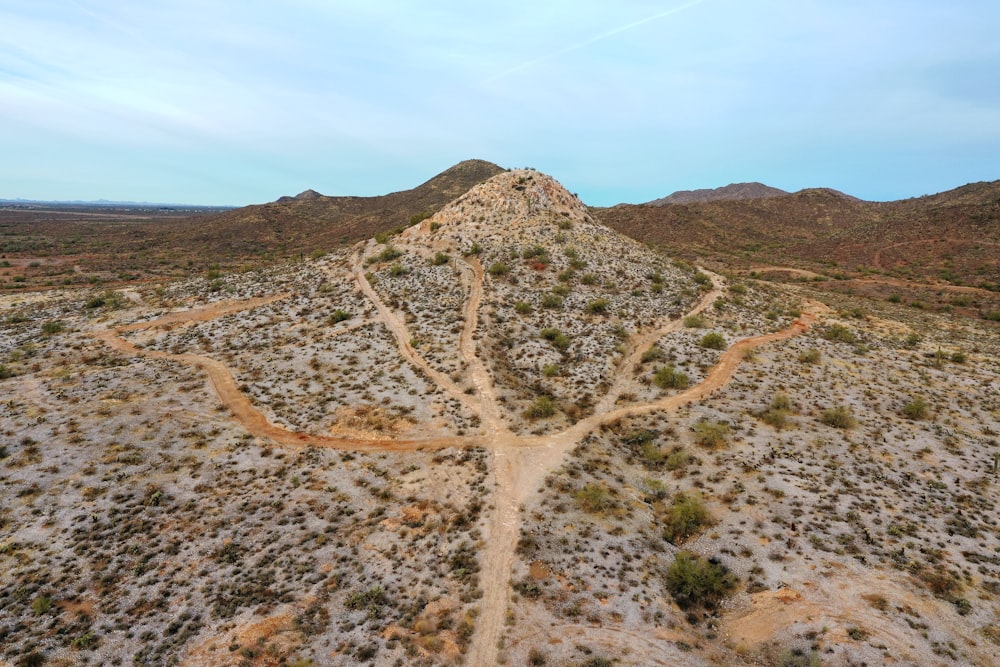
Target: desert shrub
(566,276)
(696,321)
(677,459)
(474,249)
(552,300)
(992,316)
(536,252)
(798,657)
(840,334)
(498,269)
(668,377)
(559,340)
(776,414)
(522,308)
(697,581)
(561,290)
(389,253)
(41,604)
(654,353)
(440,258)
(374,596)
(711,434)
(589,279)
(810,356)
(594,498)
(550,370)
(598,307)
(685,517)
(53,327)
(916,409)
(6,372)
(703,280)
(838,417)
(537,657)
(397,270)
(339,316)
(417,218)
(713,341)
(542,408)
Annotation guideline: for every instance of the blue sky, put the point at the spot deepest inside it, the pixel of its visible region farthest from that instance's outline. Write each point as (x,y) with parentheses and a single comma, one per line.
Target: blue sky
(195,101)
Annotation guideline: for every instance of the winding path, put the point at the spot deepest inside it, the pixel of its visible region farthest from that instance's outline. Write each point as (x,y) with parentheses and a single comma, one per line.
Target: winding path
(520,463)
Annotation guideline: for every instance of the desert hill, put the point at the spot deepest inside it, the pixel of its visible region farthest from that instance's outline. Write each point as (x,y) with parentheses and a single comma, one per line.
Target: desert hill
(952,237)
(68,246)
(731,192)
(310,221)
(505,434)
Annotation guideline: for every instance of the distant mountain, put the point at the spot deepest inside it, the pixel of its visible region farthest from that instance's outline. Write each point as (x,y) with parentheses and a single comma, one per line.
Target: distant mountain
(731,192)
(105,203)
(953,235)
(311,221)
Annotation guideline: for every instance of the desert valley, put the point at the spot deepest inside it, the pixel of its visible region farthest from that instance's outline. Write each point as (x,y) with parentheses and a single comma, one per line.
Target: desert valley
(479,423)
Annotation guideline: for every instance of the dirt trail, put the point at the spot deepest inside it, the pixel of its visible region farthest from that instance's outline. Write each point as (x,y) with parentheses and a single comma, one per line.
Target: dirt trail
(642,342)
(891,282)
(243,410)
(520,463)
(490,415)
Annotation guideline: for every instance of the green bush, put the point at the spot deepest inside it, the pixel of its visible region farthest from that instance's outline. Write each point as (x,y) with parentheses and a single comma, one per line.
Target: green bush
(339,316)
(838,417)
(594,498)
(550,370)
(776,414)
(697,581)
(653,354)
(797,657)
(397,270)
(498,269)
(711,434)
(542,408)
(810,356)
(558,339)
(536,252)
(440,258)
(474,249)
(388,254)
(695,321)
(840,334)
(6,372)
(598,307)
(916,409)
(713,341)
(589,279)
(686,516)
(552,301)
(53,327)
(522,308)
(668,377)
(992,316)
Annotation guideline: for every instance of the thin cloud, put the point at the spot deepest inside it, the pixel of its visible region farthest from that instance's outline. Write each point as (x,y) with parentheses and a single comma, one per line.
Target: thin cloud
(593,40)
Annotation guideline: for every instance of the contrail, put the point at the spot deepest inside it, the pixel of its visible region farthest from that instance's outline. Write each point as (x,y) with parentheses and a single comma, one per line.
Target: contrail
(593,40)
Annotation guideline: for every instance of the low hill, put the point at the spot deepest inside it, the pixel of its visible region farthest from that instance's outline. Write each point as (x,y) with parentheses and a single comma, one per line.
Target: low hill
(311,221)
(733,191)
(952,236)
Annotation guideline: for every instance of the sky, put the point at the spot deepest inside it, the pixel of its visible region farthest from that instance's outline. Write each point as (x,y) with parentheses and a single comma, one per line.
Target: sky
(232,103)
